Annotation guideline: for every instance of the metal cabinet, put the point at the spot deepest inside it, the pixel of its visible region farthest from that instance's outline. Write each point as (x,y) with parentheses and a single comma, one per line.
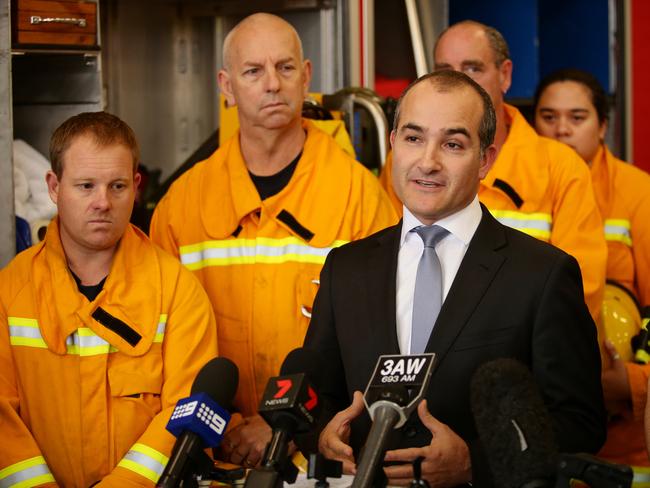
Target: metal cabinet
(41,84)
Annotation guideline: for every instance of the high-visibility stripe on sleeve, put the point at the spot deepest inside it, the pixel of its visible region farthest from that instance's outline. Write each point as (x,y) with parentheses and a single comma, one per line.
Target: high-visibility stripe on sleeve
(618,230)
(30,472)
(534,224)
(145,461)
(25,332)
(160,331)
(264,250)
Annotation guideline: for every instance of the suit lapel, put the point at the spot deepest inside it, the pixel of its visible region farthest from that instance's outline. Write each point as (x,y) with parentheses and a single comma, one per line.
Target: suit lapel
(476,272)
(381,292)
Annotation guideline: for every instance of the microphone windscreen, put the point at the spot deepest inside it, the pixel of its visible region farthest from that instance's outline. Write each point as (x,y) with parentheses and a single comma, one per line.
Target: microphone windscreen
(513,424)
(218,378)
(307,361)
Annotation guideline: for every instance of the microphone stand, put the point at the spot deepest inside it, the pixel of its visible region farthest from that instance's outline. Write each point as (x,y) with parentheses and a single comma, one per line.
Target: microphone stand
(386,417)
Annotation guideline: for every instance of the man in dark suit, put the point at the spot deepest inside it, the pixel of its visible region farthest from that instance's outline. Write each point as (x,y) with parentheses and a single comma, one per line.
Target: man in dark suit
(503,294)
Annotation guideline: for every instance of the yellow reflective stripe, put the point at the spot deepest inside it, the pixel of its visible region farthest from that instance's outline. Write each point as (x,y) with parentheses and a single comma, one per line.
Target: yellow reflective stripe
(160,331)
(641,476)
(145,461)
(536,224)
(27,342)
(25,332)
(618,230)
(35,481)
(263,250)
(23,322)
(26,473)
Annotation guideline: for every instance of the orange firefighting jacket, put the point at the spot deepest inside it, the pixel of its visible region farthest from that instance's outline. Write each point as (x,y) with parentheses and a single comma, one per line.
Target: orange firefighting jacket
(623,196)
(87,388)
(542,187)
(260,261)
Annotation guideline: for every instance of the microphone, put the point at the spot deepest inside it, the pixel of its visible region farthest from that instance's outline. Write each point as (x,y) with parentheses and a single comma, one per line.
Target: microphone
(517,434)
(290,405)
(396,387)
(513,425)
(199,421)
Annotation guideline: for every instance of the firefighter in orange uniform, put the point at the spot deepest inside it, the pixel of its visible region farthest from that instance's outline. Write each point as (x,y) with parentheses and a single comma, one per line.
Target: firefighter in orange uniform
(536,185)
(101,332)
(256,220)
(571,106)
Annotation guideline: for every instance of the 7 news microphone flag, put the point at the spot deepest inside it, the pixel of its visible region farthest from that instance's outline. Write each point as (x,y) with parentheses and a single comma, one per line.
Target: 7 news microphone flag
(290,405)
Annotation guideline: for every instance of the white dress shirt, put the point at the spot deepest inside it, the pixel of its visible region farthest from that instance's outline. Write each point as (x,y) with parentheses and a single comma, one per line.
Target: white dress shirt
(461,227)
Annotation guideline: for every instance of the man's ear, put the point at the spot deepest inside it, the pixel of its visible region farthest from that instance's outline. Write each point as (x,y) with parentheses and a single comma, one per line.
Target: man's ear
(392,139)
(137,179)
(223,78)
(52,186)
(487,161)
(505,71)
(306,73)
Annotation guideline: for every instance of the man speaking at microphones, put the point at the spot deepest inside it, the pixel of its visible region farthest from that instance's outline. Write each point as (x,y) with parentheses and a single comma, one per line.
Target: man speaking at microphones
(450,280)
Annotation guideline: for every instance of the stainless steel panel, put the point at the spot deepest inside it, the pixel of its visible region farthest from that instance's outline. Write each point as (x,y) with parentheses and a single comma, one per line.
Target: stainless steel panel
(7,217)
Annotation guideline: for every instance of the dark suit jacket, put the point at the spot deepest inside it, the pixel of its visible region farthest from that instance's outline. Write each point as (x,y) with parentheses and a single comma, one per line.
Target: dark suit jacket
(513,296)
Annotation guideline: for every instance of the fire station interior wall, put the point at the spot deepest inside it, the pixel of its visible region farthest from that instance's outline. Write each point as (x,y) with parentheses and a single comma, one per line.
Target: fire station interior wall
(545,35)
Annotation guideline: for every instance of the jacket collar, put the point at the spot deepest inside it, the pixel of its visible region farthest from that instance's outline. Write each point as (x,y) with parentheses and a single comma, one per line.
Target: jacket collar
(316,197)
(132,295)
(603,171)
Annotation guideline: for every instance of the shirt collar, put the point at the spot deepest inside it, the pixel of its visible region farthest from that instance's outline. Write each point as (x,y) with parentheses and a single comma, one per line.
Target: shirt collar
(462,224)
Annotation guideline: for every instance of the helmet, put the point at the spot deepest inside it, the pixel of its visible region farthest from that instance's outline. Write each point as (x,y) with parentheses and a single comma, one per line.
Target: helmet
(621,318)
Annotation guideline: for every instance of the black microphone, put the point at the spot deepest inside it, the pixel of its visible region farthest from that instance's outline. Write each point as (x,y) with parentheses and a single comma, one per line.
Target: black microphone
(394,391)
(517,434)
(513,425)
(199,421)
(290,405)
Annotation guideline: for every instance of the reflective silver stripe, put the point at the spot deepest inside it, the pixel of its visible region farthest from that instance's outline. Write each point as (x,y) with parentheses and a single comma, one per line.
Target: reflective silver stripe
(85,342)
(618,230)
(526,224)
(252,251)
(145,461)
(30,472)
(20,331)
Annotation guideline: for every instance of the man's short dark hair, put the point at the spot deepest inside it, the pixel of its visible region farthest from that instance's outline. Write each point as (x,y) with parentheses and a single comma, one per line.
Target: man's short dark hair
(106,130)
(589,81)
(447,80)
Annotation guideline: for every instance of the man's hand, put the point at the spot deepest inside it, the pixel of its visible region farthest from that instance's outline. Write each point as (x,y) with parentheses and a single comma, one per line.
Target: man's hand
(333,440)
(446,460)
(616,385)
(245,444)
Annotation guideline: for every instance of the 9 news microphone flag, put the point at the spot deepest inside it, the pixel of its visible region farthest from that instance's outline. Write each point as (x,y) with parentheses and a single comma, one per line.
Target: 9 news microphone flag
(199,421)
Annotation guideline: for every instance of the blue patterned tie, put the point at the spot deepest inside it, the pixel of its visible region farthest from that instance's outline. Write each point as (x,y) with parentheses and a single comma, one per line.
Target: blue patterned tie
(427,299)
